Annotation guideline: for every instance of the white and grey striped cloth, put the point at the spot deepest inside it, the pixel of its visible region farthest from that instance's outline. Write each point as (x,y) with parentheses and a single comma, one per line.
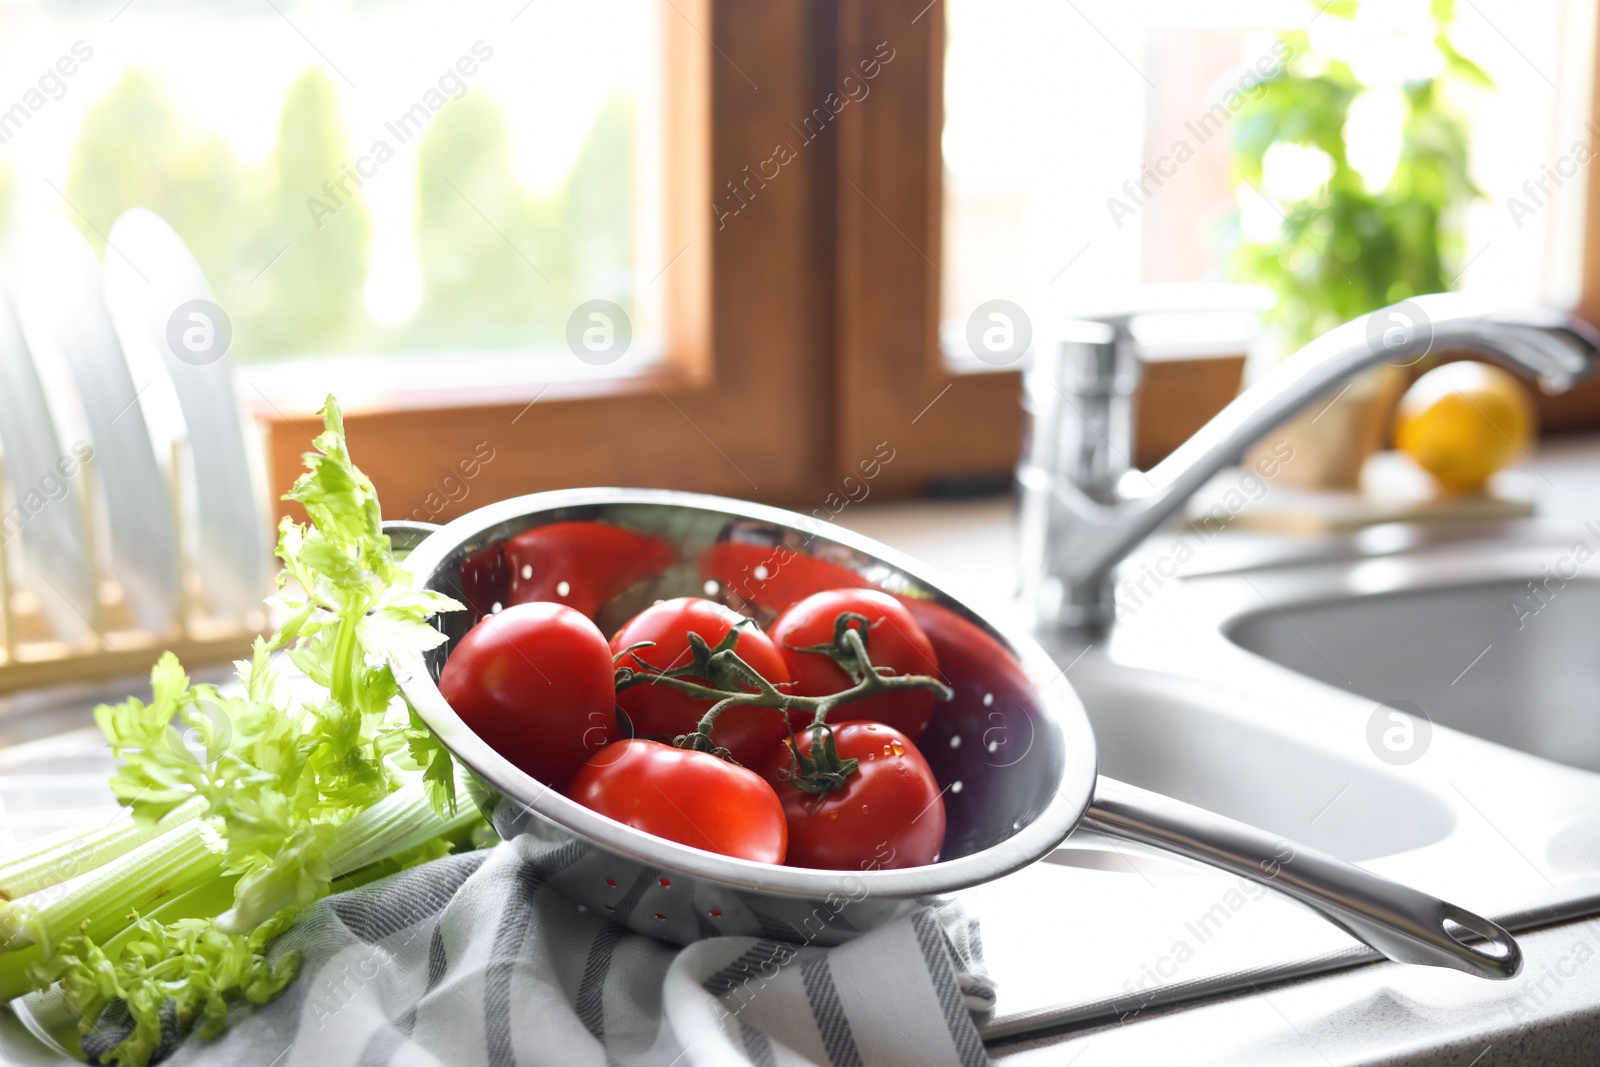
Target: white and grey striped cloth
(474,960)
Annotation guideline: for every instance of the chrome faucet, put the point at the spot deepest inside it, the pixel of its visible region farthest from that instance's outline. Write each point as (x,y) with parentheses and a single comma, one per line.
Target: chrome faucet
(1084,509)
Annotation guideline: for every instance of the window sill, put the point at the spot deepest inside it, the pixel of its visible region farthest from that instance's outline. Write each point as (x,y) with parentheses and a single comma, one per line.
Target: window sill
(295,389)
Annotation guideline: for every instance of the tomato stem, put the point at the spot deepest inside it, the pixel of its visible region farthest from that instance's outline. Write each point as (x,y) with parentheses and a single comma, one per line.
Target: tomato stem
(718,674)
(822,772)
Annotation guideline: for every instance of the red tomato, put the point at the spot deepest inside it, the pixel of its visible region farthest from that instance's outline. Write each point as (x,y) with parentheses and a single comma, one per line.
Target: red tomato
(689,797)
(536,683)
(656,711)
(580,564)
(773,576)
(894,640)
(889,813)
(983,673)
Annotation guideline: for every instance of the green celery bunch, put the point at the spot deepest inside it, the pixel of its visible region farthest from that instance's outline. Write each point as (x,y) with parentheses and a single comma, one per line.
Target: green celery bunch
(283,791)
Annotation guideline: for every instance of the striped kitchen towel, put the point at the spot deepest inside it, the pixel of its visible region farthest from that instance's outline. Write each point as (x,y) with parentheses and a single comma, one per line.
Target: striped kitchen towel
(474,960)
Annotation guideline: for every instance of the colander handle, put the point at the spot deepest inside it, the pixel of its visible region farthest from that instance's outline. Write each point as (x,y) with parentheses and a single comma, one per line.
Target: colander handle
(1404,924)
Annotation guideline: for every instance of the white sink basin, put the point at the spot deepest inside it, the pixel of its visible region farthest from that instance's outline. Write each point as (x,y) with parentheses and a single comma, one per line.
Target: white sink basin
(1516,665)
(1264,694)
(1253,693)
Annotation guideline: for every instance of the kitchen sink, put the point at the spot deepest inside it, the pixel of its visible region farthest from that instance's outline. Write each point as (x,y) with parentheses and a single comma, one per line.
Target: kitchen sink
(1179,739)
(1253,691)
(1513,661)
(1268,693)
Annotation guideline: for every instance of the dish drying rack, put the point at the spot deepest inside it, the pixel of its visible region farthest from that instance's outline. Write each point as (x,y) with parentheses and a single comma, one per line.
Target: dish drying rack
(32,655)
(67,614)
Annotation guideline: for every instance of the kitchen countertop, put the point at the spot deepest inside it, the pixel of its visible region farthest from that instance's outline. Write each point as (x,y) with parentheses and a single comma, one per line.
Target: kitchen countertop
(1372,1014)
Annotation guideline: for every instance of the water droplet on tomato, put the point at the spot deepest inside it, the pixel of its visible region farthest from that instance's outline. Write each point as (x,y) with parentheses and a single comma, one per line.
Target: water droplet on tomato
(834,814)
(527,571)
(872,726)
(872,755)
(863,809)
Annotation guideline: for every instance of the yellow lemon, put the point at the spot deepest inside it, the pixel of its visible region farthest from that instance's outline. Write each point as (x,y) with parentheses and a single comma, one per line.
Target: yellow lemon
(1463,421)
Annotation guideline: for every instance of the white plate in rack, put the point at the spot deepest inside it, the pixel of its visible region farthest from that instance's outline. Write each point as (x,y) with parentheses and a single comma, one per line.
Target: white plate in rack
(46,499)
(63,309)
(157,294)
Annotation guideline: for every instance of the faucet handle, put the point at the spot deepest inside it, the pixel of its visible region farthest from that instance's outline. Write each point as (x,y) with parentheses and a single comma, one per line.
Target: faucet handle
(1120,307)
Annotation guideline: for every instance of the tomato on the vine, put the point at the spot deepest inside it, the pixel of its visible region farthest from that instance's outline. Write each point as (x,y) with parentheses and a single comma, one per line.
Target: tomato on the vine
(892,638)
(580,564)
(773,576)
(690,797)
(888,814)
(750,734)
(536,682)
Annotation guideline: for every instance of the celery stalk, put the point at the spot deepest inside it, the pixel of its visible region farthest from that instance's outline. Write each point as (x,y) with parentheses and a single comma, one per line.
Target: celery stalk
(99,904)
(62,856)
(401,821)
(200,901)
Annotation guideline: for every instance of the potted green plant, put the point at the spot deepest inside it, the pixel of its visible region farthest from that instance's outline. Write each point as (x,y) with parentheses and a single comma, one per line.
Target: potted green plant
(1352,177)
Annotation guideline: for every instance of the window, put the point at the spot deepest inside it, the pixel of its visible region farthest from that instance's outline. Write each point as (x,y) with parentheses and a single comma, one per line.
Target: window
(389,181)
(1129,180)
(591,157)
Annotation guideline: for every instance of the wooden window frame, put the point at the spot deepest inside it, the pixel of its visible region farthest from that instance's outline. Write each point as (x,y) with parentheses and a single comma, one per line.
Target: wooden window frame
(891,364)
(802,328)
(803,312)
(894,381)
(741,403)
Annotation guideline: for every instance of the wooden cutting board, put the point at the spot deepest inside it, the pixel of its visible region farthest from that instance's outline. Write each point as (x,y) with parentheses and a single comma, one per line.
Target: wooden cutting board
(1393,489)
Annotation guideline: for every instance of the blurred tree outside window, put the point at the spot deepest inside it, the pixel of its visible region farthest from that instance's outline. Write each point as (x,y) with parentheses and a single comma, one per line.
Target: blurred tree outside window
(527,192)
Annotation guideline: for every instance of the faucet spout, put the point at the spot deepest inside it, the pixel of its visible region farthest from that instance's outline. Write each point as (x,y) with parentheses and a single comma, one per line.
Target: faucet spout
(1086,532)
